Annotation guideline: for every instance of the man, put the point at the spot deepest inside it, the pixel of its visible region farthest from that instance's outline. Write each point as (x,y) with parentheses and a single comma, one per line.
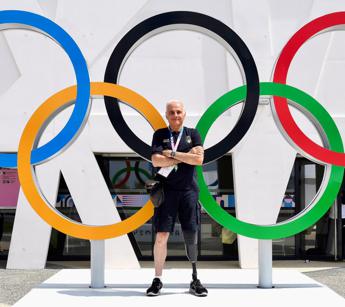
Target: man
(176,150)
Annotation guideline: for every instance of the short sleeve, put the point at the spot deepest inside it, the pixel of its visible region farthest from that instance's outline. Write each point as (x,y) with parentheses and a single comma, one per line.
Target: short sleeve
(157,146)
(196,138)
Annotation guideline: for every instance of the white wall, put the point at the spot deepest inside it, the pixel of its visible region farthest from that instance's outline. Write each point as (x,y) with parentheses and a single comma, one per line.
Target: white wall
(186,65)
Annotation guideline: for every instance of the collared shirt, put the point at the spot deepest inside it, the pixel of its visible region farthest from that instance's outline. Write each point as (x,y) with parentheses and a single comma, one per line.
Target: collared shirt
(185,177)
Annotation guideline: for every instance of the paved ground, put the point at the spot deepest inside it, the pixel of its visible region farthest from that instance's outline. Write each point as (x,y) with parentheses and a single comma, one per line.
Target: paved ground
(14,284)
(333,278)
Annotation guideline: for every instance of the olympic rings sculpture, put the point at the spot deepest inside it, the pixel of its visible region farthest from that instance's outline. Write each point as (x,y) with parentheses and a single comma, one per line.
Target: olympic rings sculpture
(28,156)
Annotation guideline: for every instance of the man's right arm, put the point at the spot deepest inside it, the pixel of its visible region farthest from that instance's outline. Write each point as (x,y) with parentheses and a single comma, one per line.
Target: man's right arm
(159,160)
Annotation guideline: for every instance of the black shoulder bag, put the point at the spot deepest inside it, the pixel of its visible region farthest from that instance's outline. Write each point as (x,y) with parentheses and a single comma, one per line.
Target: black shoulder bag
(156,191)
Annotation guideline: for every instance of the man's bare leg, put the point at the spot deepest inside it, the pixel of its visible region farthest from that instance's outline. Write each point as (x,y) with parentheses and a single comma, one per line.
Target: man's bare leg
(160,251)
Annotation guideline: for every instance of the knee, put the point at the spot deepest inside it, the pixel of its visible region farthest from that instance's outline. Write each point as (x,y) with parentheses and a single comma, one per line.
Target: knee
(162,238)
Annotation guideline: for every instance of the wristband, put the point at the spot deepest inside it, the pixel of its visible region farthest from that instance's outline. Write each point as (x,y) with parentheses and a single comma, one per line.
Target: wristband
(172,154)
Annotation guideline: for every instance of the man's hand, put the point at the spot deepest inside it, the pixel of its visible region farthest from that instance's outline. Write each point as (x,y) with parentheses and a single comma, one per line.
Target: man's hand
(194,157)
(167,153)
(197,150)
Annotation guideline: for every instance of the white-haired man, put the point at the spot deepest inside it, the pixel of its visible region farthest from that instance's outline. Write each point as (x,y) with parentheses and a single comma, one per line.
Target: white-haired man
(176,150)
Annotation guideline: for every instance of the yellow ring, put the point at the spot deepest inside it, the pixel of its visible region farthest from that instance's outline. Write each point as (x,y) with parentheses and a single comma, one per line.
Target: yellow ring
(25,170)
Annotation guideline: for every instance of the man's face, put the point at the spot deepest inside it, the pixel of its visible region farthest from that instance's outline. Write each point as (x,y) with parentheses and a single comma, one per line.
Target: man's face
(175,115)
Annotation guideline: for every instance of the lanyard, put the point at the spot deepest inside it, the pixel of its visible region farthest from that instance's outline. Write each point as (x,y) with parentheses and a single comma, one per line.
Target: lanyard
(173,145)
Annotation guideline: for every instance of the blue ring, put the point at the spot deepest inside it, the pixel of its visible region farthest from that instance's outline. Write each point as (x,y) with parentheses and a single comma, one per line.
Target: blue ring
(80,110)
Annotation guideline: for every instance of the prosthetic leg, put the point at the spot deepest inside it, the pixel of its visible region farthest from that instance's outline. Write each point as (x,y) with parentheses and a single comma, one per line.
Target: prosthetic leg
(191,245)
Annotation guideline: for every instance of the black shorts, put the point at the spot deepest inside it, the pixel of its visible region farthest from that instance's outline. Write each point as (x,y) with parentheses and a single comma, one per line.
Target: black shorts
(182,203)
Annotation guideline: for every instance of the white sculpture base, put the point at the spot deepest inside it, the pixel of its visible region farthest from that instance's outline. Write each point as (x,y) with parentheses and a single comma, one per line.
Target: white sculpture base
(232,287)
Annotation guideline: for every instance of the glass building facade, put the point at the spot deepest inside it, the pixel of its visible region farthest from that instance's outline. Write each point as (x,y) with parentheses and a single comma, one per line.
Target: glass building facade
(126,179)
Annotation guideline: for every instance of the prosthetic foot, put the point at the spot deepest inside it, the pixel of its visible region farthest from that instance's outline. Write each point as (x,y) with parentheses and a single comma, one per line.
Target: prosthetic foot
(191,245)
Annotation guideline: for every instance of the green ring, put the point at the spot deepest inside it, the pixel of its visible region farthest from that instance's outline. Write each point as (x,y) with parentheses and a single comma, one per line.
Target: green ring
(304,219)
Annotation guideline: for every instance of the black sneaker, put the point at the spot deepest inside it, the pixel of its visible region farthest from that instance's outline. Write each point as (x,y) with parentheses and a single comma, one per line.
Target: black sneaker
(155,288)
(197,288)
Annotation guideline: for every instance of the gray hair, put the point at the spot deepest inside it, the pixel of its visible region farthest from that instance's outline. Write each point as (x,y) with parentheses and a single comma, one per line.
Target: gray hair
(174,101)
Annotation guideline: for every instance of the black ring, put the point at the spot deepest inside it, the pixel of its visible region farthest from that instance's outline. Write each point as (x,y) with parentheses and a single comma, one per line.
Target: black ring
(127,44)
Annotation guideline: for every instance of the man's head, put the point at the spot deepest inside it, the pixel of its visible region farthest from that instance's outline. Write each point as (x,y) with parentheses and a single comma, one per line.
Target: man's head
(175,114)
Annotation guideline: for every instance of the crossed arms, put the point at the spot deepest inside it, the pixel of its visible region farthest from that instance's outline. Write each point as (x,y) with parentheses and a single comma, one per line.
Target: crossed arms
(194,157)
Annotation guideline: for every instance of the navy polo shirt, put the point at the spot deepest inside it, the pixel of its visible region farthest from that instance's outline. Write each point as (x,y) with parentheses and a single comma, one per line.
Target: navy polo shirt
(185,177)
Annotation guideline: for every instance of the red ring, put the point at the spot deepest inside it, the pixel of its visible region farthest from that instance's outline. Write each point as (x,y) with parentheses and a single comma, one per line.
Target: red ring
(280,75)
(124,180)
